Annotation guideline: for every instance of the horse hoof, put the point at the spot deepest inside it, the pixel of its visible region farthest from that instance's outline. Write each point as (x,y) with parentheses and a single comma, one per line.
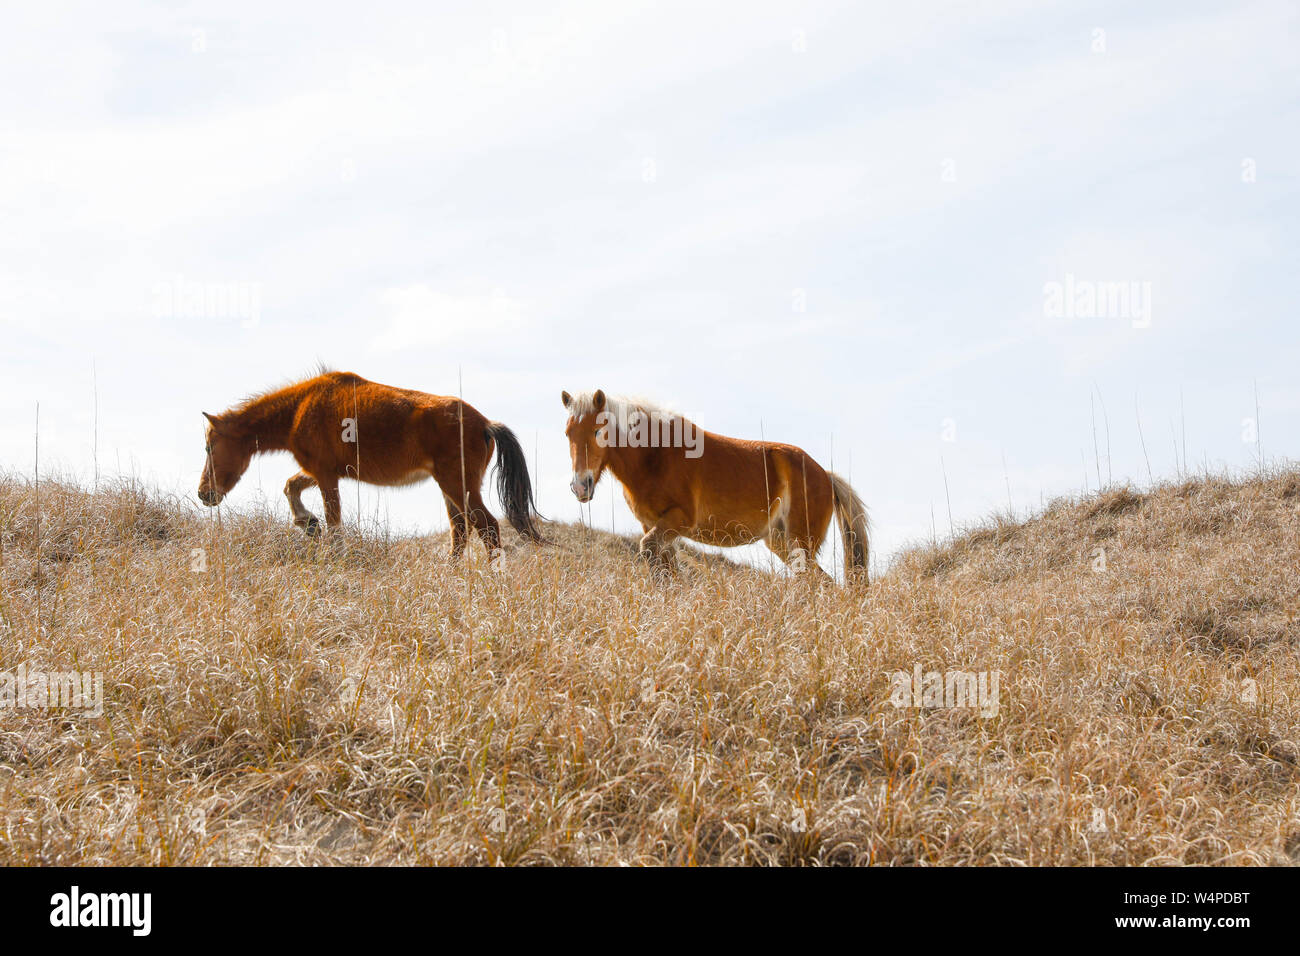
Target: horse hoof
(311,526)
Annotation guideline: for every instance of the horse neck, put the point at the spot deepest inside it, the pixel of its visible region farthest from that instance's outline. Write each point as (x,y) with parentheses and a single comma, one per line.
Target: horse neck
(635,465)
(628,464)
(267,420)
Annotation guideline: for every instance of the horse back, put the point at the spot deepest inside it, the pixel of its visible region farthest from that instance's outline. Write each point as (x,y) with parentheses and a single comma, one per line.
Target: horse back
(729,493)
(393,433)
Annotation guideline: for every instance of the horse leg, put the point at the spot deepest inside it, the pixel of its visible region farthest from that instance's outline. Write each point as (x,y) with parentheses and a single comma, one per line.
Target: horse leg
(459,526)
(481,520)
(329,492)
(302,517)
(797,551)
(794,537)
(798,554)
(461,507)
(460,483)
(658,544)
(658,550)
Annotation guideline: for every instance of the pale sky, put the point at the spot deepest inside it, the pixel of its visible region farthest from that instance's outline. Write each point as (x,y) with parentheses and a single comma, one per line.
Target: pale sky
(832,224)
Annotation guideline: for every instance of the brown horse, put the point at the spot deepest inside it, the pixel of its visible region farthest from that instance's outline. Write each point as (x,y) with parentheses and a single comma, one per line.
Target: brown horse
(681,481)
(339,425)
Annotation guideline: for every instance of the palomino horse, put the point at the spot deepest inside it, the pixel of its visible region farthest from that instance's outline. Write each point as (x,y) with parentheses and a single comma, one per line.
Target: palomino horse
(681,481)
(339,425)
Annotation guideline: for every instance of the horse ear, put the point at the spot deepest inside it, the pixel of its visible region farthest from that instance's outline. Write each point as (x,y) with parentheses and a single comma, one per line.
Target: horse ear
(566,398)
(211,418)
(598,400)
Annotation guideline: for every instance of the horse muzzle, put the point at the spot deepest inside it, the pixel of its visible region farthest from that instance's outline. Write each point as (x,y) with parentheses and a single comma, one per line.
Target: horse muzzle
(211,498)
(583,487)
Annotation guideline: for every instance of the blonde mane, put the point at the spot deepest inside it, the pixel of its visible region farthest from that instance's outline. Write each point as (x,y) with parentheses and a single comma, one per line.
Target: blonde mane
(622,408)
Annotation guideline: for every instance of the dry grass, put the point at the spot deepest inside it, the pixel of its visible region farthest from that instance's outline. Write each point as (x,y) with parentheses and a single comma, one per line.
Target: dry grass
(371,703)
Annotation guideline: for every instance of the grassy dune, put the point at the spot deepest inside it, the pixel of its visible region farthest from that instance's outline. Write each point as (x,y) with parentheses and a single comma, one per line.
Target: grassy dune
(369,702)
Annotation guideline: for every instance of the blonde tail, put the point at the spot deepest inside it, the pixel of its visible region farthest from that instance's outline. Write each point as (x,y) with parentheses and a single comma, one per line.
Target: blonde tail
(854,529)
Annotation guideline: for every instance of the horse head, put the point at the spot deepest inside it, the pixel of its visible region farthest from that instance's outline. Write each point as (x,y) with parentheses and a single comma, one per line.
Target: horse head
(590,435)
(228,453)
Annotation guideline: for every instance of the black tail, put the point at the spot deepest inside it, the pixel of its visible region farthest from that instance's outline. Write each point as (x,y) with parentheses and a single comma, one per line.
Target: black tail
(513,485)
